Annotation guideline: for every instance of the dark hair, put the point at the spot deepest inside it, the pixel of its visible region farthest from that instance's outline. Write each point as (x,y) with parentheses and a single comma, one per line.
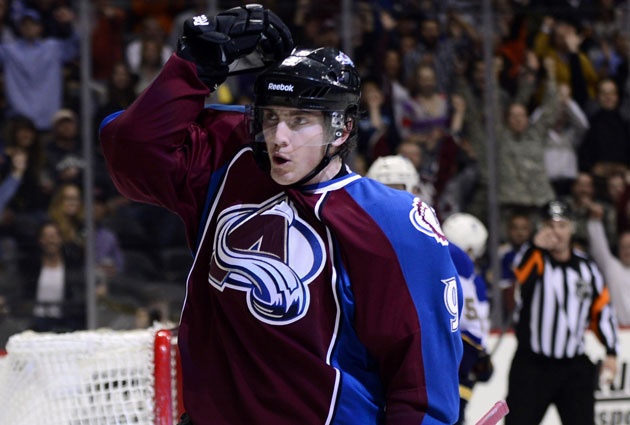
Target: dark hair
(36,155)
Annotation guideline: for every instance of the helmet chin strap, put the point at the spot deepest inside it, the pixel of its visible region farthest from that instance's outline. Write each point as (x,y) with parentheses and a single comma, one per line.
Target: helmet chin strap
(322,164)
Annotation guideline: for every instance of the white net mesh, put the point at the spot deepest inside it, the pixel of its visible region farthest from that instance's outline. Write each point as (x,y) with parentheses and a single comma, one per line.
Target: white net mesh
(80,378)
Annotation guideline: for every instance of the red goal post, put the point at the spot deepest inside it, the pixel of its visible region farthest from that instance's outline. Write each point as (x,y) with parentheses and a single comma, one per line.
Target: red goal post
(91,377)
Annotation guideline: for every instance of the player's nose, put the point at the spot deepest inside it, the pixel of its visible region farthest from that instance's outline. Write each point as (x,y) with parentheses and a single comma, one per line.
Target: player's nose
(282,134)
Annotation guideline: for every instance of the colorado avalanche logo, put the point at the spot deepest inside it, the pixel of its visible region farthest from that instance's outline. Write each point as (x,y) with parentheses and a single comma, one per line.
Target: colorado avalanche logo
(424,219)
(271,254)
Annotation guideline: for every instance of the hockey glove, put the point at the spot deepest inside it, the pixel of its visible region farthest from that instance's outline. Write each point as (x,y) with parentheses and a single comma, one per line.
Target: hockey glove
(483,368)
(214,43)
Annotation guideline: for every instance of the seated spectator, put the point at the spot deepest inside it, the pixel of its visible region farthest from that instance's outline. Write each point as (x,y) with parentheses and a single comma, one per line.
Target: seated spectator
(432,48)
(33,68)
(520,230)
(52,284)
(107,38)
(612,199)
(63,153)
(21,135)
(150,64)
(560,41)
(27,208)
(108,256)
(119,93)
(394,91)
(606,145)
(412,151)
(66,211)
(8,188)
(151,30)
(581,201)
(426,109)
(10,184)
(376,136)
(615,186)
(459,178)
(616,269)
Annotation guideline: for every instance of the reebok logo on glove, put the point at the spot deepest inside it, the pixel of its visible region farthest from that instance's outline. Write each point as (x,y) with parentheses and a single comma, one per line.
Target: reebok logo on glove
(200,20)
(280,87)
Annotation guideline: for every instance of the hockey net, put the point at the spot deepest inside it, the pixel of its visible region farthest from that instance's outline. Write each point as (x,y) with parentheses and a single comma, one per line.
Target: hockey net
(91,377)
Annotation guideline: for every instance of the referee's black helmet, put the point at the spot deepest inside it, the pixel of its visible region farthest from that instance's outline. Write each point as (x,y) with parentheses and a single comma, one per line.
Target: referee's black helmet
(557,210)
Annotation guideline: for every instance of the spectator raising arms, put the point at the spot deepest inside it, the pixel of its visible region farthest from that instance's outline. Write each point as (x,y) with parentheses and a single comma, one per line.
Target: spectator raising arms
(616,269)
(33,67)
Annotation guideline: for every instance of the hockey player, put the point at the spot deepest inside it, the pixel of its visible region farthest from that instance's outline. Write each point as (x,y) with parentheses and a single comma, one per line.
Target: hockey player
(315,296)
(467,236)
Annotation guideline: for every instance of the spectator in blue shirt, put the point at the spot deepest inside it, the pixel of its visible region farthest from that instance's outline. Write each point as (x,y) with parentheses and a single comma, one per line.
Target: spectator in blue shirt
(33,68)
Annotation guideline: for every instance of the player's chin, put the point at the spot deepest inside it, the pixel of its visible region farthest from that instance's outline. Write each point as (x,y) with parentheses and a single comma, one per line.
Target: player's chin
(283,177)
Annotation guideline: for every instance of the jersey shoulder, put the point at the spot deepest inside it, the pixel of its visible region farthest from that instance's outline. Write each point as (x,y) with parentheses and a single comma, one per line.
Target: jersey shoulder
(397,211)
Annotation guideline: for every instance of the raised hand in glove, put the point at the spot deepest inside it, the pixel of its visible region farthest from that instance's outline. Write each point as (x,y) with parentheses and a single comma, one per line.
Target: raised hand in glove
(213,43)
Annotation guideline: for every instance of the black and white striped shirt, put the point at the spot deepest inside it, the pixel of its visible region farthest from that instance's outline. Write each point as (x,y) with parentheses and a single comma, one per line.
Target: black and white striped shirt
(558,301)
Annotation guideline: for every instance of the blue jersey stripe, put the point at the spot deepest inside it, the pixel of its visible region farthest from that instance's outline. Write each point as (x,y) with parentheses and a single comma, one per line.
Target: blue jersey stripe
(108,119)
(213,186)
(228,108)
(361,399)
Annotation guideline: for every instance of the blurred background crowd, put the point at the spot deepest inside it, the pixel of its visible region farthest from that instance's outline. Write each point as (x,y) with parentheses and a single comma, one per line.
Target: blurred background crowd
(561,97)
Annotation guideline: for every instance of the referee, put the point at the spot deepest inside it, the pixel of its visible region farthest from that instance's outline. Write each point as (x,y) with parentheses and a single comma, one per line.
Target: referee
(560,293)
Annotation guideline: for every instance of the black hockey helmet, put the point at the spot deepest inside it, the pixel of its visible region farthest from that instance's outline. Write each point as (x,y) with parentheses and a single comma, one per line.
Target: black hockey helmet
(322,79)
(557,210)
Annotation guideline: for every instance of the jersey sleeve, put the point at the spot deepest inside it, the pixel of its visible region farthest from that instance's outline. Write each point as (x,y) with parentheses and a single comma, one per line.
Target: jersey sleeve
(603,321)
(474,321)
(162,149)
(408,301)
(531,266)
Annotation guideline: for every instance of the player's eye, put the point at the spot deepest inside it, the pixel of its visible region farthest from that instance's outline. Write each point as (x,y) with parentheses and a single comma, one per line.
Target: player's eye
(269,118)
(299,121)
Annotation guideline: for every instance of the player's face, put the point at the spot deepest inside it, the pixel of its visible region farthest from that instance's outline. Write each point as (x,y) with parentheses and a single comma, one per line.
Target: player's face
(296,141)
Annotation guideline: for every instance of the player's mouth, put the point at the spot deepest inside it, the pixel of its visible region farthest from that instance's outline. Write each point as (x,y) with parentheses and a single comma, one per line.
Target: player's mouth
(279,160)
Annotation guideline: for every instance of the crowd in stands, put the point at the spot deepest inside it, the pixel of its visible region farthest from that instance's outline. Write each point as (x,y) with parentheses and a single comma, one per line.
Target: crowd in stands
(561,98)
